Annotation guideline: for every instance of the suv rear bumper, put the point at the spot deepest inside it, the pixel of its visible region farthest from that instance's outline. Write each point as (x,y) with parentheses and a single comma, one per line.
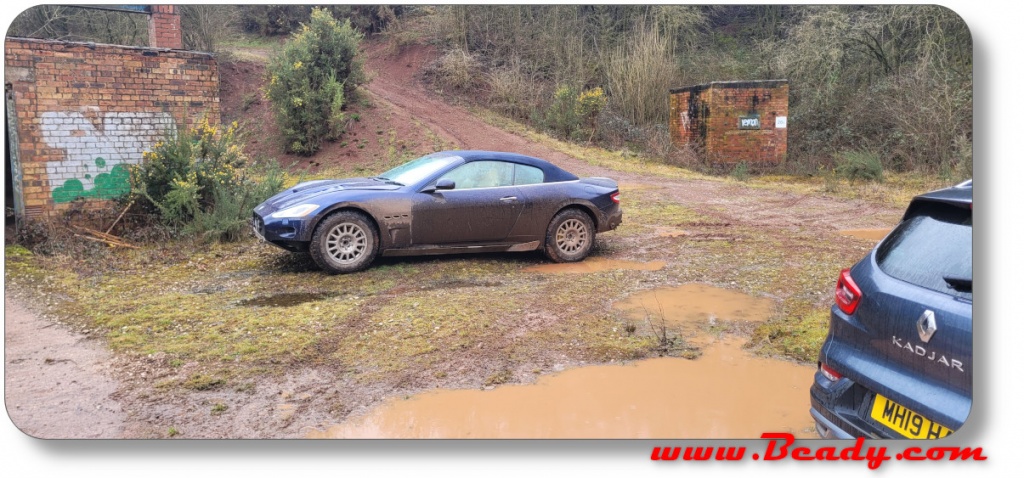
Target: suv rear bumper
(840,409)
(826,429)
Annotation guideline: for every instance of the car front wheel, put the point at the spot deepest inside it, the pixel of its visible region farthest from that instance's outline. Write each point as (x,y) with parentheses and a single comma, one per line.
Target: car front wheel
(344,242)
(570,236)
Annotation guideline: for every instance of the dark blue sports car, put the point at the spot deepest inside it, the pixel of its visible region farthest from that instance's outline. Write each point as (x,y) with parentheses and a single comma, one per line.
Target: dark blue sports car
(442,203)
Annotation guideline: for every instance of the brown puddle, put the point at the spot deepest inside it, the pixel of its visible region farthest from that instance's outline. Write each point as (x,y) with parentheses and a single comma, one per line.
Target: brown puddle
(595,264)
(695,303)
(867,234)
(725,394)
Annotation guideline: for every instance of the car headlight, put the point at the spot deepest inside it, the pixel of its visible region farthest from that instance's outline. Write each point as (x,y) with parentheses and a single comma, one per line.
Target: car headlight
(302,210)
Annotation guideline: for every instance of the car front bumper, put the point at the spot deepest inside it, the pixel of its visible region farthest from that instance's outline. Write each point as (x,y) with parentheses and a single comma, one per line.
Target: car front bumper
(284,233)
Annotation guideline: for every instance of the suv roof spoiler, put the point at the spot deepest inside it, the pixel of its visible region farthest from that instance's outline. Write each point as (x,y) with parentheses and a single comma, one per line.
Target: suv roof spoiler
(961,195)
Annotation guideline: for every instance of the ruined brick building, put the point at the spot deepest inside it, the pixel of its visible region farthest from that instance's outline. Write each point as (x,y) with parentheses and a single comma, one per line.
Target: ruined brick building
(733,121)
(78,114)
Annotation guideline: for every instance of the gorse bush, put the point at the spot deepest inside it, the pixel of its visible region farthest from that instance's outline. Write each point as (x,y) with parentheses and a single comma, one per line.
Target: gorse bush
(200,183)
(561,116)
(573,113)
(588,106)
(310,79)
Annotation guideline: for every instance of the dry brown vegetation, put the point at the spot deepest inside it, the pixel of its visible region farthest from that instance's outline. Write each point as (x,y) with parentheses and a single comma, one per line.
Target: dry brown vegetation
(892,81)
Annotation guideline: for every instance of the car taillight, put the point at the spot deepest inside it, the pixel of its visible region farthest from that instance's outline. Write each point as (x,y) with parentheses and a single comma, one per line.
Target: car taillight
(615,197)
(829,372)
(847,293)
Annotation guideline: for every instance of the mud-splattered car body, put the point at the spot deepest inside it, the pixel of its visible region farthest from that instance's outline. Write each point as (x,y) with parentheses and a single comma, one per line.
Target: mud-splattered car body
(443,203)
(897,360)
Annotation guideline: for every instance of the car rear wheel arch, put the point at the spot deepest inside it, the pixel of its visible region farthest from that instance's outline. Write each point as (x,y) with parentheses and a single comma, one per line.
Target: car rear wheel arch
(582,207)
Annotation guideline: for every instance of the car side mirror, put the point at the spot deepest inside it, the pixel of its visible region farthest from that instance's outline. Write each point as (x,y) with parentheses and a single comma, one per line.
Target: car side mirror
(441,184)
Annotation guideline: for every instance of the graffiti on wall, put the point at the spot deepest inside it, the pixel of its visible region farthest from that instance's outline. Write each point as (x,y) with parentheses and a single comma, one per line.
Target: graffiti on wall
(98,152)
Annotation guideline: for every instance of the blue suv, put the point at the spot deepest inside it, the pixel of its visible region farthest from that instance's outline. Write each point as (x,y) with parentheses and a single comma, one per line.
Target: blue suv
(897,359)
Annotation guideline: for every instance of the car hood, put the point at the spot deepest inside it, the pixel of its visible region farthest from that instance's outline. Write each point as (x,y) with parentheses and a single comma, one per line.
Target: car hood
(308,192)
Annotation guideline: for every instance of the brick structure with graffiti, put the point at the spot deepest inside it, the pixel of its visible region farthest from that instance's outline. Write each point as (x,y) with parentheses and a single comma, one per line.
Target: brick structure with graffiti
(733,121)
(79,114)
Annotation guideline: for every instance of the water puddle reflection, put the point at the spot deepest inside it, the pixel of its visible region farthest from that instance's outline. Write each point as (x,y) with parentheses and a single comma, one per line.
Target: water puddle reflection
(595,264)
(695,304)
(727,393)
(867,234)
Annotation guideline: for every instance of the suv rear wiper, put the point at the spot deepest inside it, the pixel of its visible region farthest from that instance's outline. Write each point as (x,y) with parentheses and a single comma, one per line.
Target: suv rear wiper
(959,284)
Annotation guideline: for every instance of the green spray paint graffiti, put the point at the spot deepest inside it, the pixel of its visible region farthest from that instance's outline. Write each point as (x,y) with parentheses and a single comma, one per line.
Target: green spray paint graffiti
(98,149)
(107,185)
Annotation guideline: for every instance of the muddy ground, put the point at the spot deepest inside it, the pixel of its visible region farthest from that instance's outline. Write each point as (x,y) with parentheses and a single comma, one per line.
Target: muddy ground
(701,231)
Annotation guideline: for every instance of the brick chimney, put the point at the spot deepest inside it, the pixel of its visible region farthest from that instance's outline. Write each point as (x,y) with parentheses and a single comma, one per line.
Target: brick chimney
(164,27)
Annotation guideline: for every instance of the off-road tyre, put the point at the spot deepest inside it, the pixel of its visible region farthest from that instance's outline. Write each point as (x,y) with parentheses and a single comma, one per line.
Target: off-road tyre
(570,236)
(344,242)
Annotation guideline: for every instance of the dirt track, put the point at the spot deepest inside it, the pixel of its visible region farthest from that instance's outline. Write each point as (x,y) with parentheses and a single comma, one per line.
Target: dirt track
(58,382)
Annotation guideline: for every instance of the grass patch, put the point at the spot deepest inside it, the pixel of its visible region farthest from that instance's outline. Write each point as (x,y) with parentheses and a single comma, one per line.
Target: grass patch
(897,191)
(498,378)
(262,311)
(798,334)
(201,382)
(218,408)
(641,209)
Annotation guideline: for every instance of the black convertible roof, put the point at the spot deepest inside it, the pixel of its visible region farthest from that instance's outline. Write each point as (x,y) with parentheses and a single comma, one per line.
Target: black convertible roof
(552,173)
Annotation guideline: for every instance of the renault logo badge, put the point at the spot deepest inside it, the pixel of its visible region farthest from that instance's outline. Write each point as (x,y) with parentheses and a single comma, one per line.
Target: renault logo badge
(926,325)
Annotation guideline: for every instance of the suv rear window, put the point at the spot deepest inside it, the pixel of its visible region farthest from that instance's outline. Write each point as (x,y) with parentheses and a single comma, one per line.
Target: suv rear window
(933,250)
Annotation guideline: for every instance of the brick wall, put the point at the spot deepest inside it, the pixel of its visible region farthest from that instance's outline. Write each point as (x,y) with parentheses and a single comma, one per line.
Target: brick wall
(732,122)
(85,112)
(164,27)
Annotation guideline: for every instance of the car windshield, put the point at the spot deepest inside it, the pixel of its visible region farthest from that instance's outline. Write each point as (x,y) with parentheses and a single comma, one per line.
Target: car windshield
(418,169)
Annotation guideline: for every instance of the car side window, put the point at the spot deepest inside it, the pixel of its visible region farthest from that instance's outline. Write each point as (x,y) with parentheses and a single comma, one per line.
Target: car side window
(528,175)
(482,174)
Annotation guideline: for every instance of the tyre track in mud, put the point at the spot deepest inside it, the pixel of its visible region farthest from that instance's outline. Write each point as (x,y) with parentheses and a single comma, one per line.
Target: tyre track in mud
(396,80)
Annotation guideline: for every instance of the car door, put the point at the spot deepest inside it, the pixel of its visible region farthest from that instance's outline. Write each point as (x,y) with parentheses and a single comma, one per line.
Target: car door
(482,208)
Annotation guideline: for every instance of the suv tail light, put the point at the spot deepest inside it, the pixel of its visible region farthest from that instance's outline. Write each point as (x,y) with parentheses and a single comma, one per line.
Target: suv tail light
(615,197)
(829,372)
(847,293)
